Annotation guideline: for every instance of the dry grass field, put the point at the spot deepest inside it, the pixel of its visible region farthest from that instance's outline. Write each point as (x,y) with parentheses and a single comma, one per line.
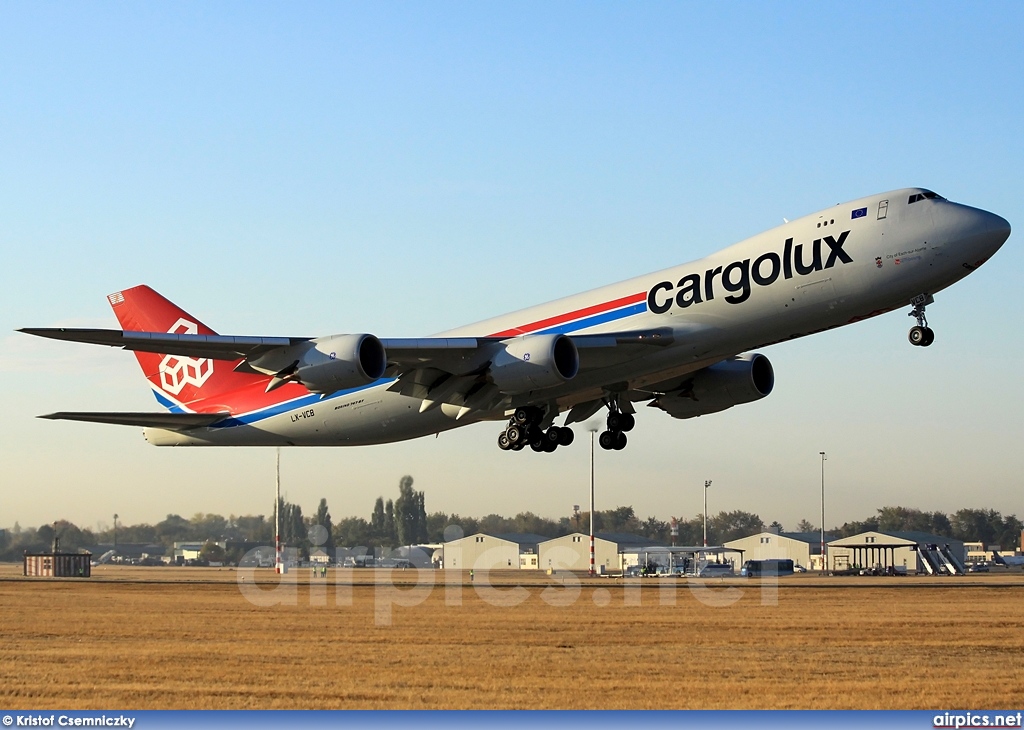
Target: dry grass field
(150,638)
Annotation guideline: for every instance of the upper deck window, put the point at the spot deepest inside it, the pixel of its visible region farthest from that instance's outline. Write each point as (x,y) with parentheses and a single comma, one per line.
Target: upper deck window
(926,195)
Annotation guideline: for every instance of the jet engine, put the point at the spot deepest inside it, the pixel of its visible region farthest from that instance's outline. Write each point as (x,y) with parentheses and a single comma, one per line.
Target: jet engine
(339,362)
(533,362)
(741,379)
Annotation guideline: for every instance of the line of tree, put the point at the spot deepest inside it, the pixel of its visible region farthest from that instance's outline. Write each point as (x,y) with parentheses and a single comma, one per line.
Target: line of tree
(174,528)
(404,520)
(967,525)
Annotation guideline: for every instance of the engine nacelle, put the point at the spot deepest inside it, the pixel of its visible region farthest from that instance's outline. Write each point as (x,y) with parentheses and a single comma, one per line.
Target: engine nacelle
(342,361)
(534,362)
(742,379)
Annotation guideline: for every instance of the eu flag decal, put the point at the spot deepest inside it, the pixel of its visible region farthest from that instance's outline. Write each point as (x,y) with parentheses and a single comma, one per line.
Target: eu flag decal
(859,213)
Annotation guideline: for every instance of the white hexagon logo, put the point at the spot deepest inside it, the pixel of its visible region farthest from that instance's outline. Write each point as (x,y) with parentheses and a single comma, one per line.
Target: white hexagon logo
(177,371)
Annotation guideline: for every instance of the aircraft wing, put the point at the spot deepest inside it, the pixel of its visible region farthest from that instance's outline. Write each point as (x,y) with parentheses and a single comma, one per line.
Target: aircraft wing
(461,354)
(435,370)
(457,372)
(170,421)
(217,347)
(449,353)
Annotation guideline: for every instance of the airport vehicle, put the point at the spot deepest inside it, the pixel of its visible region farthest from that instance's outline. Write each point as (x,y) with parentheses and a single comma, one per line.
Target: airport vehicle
(716,570)
(758,568)
(679,340)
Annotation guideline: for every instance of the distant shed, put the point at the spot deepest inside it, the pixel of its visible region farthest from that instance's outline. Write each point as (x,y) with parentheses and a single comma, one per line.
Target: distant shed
(58,565)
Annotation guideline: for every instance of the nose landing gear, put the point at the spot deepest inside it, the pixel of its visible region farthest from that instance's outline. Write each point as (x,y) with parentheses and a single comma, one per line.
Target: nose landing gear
(921,335)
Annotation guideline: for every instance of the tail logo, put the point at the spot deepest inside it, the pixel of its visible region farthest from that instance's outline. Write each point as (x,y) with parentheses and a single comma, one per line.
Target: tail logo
(176,371)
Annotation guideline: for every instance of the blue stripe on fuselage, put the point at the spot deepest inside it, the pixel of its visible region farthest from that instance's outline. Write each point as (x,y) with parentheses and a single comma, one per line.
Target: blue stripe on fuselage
(291,405)
(313,399)
(581,324)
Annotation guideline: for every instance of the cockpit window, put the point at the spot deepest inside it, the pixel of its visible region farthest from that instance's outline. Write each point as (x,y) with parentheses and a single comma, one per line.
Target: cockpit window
(926,195)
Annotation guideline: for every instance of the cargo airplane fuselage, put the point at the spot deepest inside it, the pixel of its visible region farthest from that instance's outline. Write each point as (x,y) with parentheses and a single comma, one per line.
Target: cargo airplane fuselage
(674,339)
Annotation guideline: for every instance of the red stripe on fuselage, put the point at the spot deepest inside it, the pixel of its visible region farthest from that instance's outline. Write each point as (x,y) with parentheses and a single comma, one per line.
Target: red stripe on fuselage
(578,314)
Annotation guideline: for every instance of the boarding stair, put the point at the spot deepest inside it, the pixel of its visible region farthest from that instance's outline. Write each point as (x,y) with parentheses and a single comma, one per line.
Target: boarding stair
(922,554)
(957,566)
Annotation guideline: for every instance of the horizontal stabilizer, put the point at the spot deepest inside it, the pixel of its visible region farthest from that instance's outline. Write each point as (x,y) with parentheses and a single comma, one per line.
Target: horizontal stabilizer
(170,421)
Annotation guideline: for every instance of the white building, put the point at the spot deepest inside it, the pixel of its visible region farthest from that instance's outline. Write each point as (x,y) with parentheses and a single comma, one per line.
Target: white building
(572,552)
(490,552)
(903,551)
(800,547)
(184,551)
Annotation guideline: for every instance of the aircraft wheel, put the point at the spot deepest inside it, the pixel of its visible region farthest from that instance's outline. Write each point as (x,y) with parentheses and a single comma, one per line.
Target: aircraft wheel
(607,439)
(620,441)
(626,421)
(503,443)
(518,446)
(929,337)
(550,446)
(515,434)
(553,436)
(522,416)
(917,336)
(565,436)
(539,446)
(615,421)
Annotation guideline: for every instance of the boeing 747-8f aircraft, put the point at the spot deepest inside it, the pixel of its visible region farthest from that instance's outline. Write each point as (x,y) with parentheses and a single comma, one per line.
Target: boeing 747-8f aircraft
(678,340)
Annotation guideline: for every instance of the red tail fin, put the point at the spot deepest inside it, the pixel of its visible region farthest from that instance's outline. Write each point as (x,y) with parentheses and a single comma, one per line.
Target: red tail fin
(182,380)
(140,309)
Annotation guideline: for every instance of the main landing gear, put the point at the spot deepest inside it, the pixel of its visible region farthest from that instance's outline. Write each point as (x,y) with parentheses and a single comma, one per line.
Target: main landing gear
(524,429)
(618,423)
(921,335)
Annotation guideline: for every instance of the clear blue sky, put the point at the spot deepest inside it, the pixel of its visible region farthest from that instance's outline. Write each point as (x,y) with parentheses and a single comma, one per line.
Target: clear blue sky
(314,168)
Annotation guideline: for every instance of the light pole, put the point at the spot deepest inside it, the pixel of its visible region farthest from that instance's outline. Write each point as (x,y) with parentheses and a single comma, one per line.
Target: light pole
(592,432)
(278,562)
(824,562)
(707,484)
(115,531)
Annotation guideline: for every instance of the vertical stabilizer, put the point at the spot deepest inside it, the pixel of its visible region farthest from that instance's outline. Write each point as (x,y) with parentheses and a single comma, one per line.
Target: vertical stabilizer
(179,382)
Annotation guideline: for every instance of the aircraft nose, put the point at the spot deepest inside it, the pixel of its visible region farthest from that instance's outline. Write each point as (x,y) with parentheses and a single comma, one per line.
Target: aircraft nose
(999,226)
(982,233)
(996,230)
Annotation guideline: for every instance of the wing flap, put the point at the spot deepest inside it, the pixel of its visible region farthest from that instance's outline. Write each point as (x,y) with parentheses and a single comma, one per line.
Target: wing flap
(170,421)
(660,337)
(455,355)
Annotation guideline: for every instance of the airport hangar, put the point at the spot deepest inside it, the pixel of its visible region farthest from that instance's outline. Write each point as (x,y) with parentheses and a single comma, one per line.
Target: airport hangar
(613,551)
(803,548)
(910,552)
(913,552)
(491,552)
(528,551)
